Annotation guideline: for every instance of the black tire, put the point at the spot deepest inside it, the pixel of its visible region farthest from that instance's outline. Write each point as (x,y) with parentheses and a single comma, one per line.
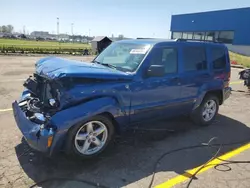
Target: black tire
(71,149)
(197,116)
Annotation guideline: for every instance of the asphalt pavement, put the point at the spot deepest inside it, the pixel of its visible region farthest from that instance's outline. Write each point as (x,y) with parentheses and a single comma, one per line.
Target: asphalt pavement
(130,161)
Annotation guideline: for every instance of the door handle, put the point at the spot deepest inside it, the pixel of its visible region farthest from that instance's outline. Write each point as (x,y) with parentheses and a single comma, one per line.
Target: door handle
(175,79)
(206,75)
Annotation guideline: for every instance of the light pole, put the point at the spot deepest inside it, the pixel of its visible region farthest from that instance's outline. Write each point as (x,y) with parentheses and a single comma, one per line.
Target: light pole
(57,28)
(72,29)
(24,29)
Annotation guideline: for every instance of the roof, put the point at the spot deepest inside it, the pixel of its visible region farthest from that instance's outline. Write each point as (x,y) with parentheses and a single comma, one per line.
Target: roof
(146,41)
(100,38)
(215,11)
(160,42)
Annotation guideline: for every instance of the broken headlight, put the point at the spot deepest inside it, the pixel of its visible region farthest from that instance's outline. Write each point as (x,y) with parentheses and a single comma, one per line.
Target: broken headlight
(40,118)
(52,102)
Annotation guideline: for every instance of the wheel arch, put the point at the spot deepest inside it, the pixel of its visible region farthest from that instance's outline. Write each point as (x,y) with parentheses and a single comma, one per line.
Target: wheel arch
(114,121)
(66,120)
(106,114)
(197,113)
(216,92)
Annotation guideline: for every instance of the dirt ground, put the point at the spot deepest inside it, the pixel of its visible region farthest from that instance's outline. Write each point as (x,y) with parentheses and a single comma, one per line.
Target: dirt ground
(130,162)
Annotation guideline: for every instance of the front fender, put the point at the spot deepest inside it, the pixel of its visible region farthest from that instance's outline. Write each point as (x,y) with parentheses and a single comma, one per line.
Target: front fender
(70,116)
(65,119)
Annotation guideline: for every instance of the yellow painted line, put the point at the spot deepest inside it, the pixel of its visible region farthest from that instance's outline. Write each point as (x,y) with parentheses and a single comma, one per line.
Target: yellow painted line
(237,82)
(6,110)
(183,177)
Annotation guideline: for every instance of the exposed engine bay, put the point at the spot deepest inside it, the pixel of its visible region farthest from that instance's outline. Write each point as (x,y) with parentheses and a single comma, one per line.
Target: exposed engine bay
(41,101)
(32,108)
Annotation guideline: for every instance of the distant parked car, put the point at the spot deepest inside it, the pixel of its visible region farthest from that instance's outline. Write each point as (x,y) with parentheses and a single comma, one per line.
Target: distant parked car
(85,52)
(40,39)
(9,36)
(79,107)
(22,36)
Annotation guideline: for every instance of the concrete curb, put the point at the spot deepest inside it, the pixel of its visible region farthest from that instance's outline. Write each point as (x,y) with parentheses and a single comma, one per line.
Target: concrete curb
(237,66)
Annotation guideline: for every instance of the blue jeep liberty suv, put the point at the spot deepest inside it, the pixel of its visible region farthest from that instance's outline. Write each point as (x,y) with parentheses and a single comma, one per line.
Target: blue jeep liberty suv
(79,107)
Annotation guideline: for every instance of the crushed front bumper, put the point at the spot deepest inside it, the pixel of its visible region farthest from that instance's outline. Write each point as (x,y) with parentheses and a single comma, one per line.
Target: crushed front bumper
(36,137)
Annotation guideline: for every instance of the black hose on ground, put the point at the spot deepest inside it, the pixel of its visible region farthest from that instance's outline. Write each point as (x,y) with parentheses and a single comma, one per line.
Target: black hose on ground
(219,147)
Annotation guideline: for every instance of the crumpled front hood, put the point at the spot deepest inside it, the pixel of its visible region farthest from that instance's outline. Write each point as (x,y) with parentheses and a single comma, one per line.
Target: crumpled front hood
(53,68)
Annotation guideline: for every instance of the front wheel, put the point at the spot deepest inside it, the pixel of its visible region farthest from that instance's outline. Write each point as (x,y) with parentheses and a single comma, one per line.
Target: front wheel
(207,111)
(88,139)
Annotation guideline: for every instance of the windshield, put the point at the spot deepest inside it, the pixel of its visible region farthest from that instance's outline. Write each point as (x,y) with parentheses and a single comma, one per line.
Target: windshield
(123,56)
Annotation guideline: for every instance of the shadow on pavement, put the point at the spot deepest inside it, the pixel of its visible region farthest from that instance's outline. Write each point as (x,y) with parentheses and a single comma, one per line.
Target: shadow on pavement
(134,154)
(245,91)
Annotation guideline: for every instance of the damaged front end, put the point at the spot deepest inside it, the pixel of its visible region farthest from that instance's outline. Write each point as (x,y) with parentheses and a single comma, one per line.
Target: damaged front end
(34,110)
(57,97)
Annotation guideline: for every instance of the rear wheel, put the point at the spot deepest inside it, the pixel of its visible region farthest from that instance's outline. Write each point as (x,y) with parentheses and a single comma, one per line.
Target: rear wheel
(206,113)
(90,138)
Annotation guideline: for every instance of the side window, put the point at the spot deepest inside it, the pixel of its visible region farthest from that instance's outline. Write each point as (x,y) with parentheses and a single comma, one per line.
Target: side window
(167,57)
(218,58)
(170,60)
(194,58)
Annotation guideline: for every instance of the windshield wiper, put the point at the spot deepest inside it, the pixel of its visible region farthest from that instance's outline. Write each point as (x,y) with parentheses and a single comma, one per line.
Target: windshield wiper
(105,64)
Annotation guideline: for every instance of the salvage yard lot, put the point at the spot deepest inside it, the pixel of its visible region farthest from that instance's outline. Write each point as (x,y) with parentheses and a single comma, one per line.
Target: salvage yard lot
(41,44)
(130,161)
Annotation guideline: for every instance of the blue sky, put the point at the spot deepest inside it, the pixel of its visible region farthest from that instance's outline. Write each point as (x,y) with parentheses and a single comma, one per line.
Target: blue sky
(132,18)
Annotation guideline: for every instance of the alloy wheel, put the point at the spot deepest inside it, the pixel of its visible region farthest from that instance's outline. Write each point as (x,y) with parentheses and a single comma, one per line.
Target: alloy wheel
(209,110)
(91,137)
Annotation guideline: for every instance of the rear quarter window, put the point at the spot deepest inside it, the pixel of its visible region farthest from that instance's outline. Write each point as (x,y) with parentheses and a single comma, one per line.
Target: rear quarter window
(194,58)
(218,58)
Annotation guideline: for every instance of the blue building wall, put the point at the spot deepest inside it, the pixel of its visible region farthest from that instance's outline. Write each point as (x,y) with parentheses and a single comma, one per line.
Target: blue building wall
(237,20)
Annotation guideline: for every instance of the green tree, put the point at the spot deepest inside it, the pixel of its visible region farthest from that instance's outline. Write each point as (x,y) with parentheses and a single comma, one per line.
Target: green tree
(4,29)
(10,28)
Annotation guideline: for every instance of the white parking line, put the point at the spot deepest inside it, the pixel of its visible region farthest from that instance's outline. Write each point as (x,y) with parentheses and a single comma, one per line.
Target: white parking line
(13,80)
(6,110)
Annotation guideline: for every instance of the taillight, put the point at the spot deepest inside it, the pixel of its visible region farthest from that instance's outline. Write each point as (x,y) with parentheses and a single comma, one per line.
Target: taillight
(225,77)
(228,80)
(229,75)
(226,84)
(221,76)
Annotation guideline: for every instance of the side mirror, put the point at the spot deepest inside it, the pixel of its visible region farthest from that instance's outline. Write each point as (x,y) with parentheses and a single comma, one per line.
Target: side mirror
(156,71)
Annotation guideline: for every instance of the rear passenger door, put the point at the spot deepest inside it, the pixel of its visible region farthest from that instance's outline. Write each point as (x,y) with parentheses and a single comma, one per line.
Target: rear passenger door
(194,73)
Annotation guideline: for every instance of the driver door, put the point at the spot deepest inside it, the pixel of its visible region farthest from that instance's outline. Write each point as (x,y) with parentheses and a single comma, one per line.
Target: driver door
(157,97)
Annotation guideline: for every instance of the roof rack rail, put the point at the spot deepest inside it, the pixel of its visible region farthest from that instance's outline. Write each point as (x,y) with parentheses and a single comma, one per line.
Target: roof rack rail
(146,38)
(186,40)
